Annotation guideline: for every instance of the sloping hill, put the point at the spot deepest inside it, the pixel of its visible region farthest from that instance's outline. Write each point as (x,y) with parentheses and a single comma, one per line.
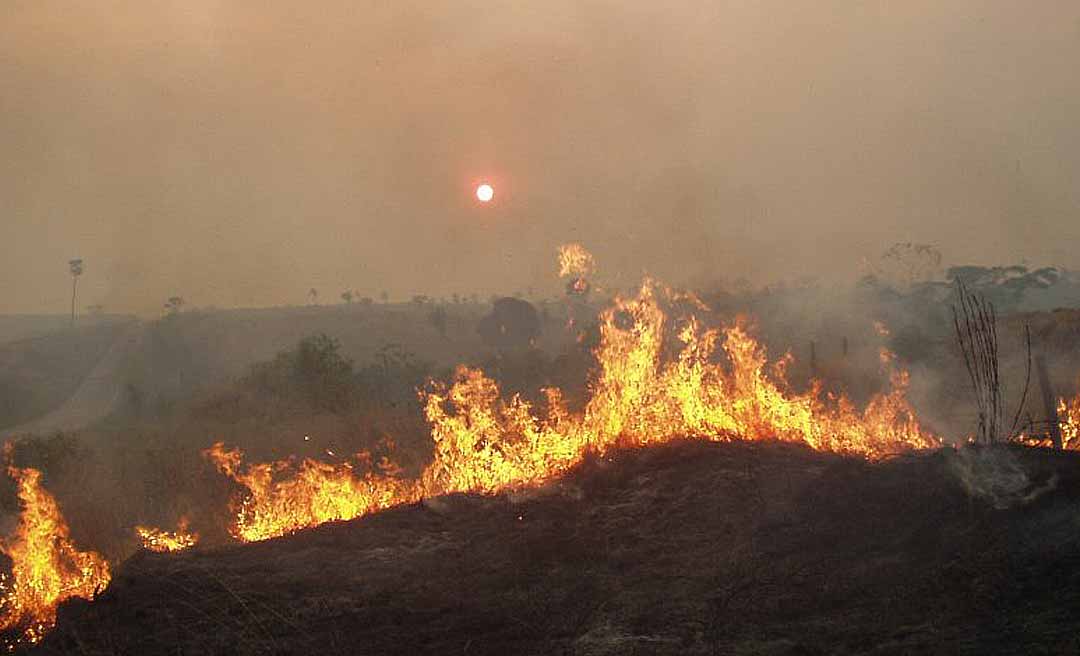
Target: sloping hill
(97,395)
(691,548)
(39,374)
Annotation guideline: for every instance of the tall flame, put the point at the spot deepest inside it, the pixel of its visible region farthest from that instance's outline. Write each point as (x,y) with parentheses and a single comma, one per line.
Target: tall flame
(46,567)
(1069,418)
(483,443)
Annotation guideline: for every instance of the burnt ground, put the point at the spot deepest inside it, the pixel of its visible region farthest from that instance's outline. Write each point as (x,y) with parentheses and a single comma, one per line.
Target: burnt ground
(689,548)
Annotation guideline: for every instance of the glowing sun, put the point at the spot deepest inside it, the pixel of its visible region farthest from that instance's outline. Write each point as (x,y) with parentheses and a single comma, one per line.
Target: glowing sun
(485,193)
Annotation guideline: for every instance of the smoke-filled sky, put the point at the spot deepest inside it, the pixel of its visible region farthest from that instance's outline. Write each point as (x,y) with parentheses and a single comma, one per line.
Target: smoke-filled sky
(240,153)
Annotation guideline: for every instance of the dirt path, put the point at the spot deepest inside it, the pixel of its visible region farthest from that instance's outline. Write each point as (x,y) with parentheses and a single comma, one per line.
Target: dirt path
(96,396)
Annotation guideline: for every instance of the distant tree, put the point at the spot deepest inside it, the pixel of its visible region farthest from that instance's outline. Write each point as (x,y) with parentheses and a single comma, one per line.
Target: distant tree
(174,304)
(437,319)
(95,310)
(456,298)
(313,296)
(315,371)
(384,296)
(76,268)
(512,324)
(367,300)
(347,296)
(906,264)
(421,299)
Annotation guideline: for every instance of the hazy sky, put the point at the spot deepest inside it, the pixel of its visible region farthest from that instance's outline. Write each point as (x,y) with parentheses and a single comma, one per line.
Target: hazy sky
(239,153)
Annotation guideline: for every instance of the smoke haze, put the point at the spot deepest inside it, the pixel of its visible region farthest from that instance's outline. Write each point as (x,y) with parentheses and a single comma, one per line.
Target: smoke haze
(240,153)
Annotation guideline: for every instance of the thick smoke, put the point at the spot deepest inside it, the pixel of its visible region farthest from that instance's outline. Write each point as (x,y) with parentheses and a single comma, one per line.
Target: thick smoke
(243,153)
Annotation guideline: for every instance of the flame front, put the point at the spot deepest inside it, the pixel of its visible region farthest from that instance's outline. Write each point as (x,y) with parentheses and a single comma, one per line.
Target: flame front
(283,497)
(162,541)
(485,444)
(46,567)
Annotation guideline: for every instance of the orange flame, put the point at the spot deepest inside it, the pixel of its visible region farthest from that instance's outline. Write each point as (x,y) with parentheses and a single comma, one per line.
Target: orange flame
(162,541)
(1069,420)
(575,261)
(483,443)
(46,567)
(283,497)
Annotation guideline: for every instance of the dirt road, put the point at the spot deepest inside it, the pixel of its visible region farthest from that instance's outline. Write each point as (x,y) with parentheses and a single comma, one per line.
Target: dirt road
(96,396)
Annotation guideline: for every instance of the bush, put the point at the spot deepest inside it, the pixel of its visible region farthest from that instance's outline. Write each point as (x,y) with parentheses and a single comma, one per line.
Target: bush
(314,373)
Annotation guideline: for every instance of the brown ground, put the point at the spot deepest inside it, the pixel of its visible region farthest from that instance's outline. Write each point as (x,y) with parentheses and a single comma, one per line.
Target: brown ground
(691,548)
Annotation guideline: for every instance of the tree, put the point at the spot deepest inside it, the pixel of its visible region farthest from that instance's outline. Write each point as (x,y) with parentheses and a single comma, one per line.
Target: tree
(173,305)
(76,268)
(437,319)
(347,296)
(512,324)
(906,264)
(384,296)
(314,372)
(313,295)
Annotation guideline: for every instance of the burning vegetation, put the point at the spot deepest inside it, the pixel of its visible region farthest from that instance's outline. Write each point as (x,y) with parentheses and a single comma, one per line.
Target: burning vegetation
(660,378)
(662,374)
(163,541)
(46,567)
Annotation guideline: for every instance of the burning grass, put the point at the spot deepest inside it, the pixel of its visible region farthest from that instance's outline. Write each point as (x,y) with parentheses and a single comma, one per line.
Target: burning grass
(46,567)
(163,541)
(719,386)
(661,376)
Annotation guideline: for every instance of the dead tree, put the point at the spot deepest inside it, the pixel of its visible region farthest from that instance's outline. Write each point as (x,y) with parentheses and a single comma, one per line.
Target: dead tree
(1049,403)
(976,333)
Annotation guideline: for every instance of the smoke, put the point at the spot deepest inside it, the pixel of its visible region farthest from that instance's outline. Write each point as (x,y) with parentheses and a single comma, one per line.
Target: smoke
(997,476)
(241,153)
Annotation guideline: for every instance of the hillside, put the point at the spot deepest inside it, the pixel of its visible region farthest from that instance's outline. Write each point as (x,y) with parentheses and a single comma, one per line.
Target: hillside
(38,374)
(691,548)
(200,350)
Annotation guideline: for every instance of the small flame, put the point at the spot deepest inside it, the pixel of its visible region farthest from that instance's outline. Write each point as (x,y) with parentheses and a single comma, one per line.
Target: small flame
(1069,421)
(575,261)
(284,497)
(46,567)
(162,541)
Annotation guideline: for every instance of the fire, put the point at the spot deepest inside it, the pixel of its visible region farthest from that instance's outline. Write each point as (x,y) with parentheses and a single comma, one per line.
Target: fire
(283,497)
(162,541)
(46,567)
(718,386)
(1069,418)
(575,261)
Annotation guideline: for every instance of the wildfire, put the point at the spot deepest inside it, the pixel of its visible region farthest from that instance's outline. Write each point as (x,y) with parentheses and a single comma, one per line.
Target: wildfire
(1069,418)
(285,496)
(162,541)
(575,261)
(46,567)
(719,386)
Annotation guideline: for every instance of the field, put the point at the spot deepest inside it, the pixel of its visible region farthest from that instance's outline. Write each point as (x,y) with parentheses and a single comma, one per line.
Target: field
(689,548)
(683,547)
